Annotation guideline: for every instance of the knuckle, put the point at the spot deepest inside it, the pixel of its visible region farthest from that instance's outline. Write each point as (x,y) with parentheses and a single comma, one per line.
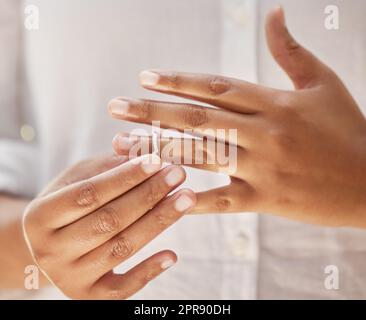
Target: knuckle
(218,85)
(292,46)
(87,195)
(280,139)
(105,221)
(283,200)
(223,203)
(122,248)
(153,193)
(279,176)
(145,109)
(283,101)
(194,117)
(172,80)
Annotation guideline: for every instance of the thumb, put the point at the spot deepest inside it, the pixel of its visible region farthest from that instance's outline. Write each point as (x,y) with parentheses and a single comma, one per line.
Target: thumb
(304,69)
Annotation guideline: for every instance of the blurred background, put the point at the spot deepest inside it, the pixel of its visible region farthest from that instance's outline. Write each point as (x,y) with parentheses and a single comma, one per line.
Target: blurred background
(55,84)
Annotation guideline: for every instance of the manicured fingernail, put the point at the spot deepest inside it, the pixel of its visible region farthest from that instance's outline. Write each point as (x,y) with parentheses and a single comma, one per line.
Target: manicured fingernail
(183,203)
(119,107)
(167,264)
(149,78)
(174,176)
(150,163)
(281,14)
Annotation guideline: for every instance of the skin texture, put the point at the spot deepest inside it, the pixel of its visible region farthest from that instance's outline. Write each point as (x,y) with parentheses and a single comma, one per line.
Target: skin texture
(96,215)
(301,153)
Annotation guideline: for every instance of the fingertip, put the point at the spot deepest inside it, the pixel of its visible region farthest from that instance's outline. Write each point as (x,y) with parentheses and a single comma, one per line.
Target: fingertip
(150,163)
(275,19)
(190,193)
(279,12)
(185,201)
(122,143)
(109,106)
(184,172)
(176,175)
(149,78)
(118,107)
(169,254)
(115,144)
(169,259)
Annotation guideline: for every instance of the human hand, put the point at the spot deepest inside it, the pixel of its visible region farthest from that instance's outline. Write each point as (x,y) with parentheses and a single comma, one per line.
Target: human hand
(99,213)
(301,154)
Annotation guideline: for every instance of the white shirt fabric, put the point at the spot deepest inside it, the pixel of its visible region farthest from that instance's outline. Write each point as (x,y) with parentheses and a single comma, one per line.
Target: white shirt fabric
(59,79)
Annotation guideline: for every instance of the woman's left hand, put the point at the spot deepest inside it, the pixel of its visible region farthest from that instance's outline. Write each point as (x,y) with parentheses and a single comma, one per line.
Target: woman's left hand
(301,154)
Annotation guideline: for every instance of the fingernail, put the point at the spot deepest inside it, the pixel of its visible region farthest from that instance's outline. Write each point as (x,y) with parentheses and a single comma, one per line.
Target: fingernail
(167,264)
(281,13)
(119,107)
(183,203)
(174,176)
(150,163)
(124,143)
(149,78)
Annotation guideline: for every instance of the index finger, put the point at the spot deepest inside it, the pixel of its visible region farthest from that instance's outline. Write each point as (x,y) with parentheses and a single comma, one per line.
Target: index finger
(223,92)
(79,199)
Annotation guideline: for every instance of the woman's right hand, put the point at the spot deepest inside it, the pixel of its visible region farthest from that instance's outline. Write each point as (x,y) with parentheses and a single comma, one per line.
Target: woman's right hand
(78,231)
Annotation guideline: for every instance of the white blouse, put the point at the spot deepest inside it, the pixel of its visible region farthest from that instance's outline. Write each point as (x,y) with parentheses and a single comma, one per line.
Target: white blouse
(55,83)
